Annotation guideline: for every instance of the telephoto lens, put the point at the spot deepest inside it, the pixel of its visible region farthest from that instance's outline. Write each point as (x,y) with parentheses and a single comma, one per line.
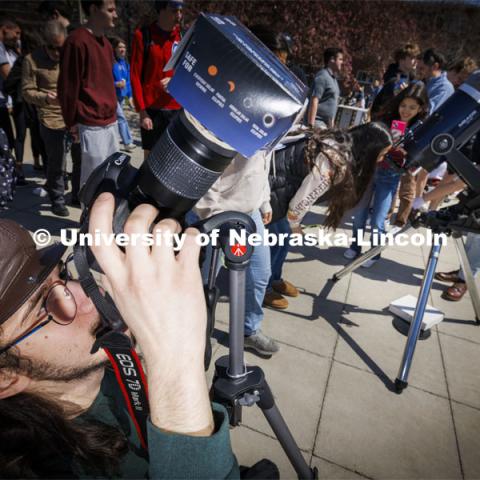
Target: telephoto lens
(182,166)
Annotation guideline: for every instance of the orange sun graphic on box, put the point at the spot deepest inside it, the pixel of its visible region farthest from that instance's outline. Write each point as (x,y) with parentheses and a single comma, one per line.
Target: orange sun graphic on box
(212,70)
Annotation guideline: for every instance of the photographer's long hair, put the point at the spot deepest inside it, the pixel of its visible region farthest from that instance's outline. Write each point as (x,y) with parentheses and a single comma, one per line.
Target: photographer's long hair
(39,437)
(353,155)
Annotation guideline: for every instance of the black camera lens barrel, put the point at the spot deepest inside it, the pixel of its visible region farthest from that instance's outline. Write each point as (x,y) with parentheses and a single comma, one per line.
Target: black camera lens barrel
(182,166)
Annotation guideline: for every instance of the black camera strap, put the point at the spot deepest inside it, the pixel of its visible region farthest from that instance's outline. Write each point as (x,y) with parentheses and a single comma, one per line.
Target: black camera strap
(125,361)
(104,304)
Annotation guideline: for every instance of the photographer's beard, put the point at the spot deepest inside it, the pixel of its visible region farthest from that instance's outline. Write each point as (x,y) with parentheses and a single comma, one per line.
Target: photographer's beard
(43,371)
(40,370)
(74,362)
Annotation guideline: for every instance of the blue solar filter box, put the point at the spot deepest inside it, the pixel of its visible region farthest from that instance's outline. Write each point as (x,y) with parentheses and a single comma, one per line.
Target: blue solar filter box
(235,86)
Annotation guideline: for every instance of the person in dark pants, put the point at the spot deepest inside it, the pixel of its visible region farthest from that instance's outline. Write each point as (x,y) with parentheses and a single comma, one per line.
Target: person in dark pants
(39,87)
(148,78)
(37,145)
(24,114)
(76,153)
(20,122)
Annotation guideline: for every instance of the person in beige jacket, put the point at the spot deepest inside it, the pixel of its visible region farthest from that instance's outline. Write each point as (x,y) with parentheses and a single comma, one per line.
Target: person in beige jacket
(244,187)
(40,72)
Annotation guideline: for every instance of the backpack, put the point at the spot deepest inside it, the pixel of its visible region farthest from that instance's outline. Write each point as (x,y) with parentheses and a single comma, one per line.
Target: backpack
(7,172)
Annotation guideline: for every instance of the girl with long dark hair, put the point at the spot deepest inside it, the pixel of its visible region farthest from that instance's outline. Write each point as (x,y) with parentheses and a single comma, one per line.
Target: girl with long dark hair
(408,106)
(342,163)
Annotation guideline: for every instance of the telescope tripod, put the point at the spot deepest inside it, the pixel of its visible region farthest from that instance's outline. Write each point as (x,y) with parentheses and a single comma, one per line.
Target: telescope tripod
(236,385)
(401,382)
(361,259)
(414,330)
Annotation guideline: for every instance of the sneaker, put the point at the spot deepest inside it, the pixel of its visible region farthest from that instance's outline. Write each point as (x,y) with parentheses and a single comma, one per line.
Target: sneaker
(285,288)
(370,262)
(261,344)
(275,300)
(130,147)
(60,210)
(350,254)
(40,192)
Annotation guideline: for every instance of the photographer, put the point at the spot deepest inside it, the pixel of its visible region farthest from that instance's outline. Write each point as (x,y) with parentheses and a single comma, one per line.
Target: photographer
(61,410)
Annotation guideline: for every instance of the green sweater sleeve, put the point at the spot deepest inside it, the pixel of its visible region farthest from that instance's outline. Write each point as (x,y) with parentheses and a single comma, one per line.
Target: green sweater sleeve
(181,456)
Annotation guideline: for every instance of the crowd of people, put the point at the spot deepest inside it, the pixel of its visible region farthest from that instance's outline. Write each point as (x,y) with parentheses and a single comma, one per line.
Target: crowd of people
(70,88)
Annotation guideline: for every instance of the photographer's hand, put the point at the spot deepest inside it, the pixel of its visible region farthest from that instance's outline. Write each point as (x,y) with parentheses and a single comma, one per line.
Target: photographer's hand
(160,297)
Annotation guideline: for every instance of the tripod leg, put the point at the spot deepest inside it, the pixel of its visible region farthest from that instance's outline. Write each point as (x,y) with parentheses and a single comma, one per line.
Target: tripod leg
(282,432)
(416,325)
(360,260)
(469,278)
(357,262)
(237,322)
(280,428)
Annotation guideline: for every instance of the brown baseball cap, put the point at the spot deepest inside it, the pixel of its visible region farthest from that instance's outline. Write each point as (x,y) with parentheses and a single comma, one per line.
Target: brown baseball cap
(23,268)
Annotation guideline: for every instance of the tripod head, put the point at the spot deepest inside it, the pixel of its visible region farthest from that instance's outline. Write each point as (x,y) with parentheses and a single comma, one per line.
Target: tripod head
(237,255)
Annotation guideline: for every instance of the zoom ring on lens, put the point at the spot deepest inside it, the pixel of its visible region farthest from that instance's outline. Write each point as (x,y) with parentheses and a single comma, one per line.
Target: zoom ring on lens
(178,172)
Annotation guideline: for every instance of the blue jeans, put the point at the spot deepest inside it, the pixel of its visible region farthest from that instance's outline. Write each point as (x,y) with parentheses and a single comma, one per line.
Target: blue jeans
(257,275)
(278,253)
(123,126)
(383,190)
(472,247)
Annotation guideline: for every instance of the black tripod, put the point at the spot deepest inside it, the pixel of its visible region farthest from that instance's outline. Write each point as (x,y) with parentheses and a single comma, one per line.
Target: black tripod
(235,385)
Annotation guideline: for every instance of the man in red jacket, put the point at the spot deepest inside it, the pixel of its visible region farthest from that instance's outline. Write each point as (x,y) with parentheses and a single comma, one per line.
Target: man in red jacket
(149,81)
(86,89)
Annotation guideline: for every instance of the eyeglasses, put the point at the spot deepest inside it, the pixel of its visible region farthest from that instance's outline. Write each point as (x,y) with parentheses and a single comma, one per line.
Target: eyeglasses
(58,305)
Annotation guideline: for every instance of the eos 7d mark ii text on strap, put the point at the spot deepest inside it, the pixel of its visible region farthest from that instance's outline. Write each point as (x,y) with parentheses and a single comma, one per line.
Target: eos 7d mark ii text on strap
(130,377)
